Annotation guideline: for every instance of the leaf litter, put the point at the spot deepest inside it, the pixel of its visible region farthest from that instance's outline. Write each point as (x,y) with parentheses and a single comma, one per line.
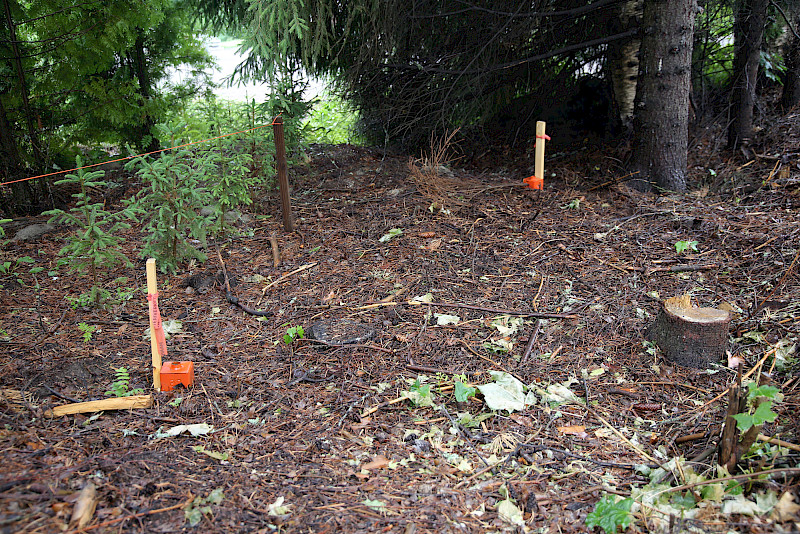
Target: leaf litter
(324,439)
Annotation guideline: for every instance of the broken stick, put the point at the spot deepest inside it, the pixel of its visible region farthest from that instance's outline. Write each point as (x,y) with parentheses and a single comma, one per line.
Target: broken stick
(114,403)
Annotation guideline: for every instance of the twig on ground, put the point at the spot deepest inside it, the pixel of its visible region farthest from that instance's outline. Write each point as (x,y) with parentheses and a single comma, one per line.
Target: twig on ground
(540,448)
(531,341)
(494,310)
(466,438)
(681,268)
(288,275)
(482,357)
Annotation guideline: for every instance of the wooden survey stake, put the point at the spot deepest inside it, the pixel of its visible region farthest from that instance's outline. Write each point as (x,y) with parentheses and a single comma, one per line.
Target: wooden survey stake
(537,180)
(158,346)
(538,162)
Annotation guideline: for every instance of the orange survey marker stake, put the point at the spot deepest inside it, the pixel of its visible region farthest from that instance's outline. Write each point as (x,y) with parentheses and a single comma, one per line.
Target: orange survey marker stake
(537,180)
(170,374)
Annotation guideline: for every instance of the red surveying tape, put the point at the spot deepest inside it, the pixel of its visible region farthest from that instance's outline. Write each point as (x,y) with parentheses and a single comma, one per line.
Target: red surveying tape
(139,155)
(158,327)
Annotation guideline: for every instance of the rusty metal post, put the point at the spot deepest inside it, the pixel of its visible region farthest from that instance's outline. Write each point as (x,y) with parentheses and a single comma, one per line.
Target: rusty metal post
(283,179)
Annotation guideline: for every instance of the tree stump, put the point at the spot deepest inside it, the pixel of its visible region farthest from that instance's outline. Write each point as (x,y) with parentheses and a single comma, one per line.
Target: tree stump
(690,336)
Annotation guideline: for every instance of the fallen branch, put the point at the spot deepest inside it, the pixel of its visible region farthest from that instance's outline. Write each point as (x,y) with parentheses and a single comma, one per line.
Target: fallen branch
(372,346)
(424,369)
(783,470)
(235,300)
(779,442)
(682,268)
(114,403)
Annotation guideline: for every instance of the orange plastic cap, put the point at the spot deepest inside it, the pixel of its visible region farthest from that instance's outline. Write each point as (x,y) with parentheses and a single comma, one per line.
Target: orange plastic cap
(174,373)
(534,182)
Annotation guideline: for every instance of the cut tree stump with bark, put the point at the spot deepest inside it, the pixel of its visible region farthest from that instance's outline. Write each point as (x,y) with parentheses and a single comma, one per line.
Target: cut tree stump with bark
(690,336)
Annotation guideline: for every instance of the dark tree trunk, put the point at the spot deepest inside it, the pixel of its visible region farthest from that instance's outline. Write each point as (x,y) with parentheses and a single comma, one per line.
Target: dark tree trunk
(8,144)
(623,59)
(791,83)
(21,194)
(748,32)
(23,87)
(661,110)
(144,130)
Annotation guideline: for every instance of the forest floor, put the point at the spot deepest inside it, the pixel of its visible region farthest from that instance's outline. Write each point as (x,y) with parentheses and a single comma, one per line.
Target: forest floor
(320,438)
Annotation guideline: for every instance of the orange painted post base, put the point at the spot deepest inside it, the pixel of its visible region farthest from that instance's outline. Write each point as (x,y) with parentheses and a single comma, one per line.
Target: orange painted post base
(174,373)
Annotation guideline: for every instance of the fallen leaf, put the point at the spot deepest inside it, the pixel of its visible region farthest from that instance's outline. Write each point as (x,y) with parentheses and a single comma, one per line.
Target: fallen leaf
(391,234)
(443,319)
(374,504)
(84,506)
(559,394)
(379,462)
(508,512)
(572,429)
(198,429)
(278,509)
(786,509)
(506,393)
(213,454)
(433,245)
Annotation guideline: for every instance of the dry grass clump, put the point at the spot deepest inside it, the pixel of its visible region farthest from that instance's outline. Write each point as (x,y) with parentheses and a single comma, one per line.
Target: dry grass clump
(435,180)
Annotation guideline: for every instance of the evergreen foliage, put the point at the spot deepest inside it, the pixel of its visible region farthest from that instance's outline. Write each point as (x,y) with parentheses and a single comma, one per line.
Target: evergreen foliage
(413,68)
(88,72)
(171,200)
(95,243)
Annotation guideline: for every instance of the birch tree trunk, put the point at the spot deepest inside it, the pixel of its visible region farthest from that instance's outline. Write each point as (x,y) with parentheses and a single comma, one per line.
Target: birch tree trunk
(623,57)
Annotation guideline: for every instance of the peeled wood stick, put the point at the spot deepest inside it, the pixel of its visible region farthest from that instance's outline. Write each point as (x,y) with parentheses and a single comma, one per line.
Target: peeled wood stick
(538,160)
(776,441)
(619,434)
(382,405)
(114,403)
